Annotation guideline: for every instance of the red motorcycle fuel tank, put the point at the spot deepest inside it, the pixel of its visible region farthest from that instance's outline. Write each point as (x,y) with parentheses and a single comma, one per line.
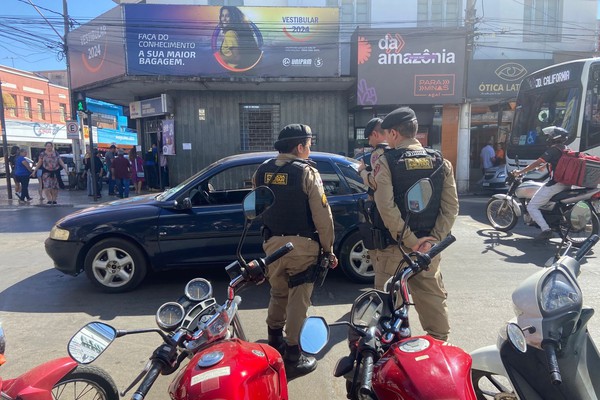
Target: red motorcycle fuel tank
(423,368)
(232,369)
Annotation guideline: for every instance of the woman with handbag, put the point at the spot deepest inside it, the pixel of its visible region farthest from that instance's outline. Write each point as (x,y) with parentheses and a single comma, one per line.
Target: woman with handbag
(137,170)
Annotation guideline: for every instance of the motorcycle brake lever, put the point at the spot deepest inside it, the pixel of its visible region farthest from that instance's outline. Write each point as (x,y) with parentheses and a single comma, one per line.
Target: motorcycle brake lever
(137,378)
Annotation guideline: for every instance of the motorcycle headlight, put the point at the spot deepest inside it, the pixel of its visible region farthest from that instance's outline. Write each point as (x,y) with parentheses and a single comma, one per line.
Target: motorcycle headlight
(58,233)
(559,293)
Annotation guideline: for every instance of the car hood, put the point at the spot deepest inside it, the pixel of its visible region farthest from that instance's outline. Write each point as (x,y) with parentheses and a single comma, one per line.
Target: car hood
(114,210)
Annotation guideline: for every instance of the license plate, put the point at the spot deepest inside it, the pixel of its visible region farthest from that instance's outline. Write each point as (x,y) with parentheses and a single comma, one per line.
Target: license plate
(486,184)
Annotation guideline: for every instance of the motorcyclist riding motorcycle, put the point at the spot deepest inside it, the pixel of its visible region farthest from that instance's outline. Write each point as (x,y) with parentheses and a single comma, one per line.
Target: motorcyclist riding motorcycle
(556,138)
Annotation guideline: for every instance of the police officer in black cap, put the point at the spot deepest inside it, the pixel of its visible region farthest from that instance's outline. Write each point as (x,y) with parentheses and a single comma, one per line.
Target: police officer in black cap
(395,172)
(300,215)
(374,239)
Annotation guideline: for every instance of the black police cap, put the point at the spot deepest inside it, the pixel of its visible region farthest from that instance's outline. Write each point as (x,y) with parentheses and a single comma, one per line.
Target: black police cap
(371,126)
(397,117)
(293,131)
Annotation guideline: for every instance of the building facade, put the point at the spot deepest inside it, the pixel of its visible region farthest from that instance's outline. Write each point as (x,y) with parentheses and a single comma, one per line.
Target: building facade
(332,64)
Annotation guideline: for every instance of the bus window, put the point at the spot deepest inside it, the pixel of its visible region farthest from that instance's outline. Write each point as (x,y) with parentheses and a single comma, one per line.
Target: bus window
(590,131)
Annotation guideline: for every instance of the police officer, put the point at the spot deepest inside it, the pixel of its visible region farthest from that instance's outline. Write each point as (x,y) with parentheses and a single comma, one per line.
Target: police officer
(300,215)
(376,237)
(395,172)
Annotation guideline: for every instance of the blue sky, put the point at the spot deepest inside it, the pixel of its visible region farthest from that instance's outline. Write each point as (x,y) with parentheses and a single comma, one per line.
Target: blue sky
(28,42)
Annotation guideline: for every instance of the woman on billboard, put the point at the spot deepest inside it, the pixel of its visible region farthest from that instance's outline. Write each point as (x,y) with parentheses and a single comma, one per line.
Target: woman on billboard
(240,48)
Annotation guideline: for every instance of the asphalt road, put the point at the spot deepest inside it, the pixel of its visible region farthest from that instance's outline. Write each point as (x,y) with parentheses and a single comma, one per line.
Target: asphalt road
(40,308)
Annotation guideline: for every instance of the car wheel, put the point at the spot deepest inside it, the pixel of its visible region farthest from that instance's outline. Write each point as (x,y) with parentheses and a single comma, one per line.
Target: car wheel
(355,260)
(115,265)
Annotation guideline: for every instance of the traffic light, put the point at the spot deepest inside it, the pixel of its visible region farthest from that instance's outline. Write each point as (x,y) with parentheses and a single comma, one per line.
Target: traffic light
(80,104)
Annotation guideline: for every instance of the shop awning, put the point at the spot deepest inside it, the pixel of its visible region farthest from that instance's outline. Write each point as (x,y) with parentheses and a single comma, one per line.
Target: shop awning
(9,101)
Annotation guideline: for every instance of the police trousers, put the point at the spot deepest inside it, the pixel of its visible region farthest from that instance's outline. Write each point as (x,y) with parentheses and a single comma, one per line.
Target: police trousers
(288,306)
(426,288)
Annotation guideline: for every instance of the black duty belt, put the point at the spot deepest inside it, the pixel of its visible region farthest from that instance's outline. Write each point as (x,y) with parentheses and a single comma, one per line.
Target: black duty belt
(310,235)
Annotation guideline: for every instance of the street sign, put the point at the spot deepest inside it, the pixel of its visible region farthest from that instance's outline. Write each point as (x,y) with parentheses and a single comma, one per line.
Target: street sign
(72,130)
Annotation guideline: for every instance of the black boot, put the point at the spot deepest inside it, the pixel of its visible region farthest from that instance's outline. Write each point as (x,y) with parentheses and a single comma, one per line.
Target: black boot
(276,340)
(296,363)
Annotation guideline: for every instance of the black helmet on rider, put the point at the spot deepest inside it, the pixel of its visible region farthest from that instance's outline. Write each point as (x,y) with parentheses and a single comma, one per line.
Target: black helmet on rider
(555,134)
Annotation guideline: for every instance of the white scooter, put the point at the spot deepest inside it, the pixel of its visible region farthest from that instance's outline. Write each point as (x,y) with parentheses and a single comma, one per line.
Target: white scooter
(548,353)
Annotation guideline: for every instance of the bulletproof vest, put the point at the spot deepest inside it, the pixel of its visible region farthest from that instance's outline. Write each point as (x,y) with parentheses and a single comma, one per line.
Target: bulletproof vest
(290,214)
(407,167)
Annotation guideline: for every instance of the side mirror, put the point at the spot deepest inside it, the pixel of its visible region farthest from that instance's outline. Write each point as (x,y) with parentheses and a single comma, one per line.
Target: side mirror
(366,310)
(186,204)
(314,335)
(91,341)
(516,337)
(2,341)
(419,195)
(257,202)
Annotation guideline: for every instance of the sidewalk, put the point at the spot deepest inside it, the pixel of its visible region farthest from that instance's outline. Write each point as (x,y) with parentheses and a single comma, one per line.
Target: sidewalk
(66,197)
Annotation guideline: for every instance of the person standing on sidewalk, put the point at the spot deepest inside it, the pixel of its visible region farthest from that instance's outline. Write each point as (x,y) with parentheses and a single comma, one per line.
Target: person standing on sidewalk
(50,162)
(108,159)
(93,177)
(121,170)
(23,172)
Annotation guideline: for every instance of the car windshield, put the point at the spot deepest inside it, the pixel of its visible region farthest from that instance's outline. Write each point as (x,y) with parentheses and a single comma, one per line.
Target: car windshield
(167,193)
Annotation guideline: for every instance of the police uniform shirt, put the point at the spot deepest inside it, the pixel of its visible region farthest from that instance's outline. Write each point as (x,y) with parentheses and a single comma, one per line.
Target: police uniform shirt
(312,185)
(390,213)
(367,176)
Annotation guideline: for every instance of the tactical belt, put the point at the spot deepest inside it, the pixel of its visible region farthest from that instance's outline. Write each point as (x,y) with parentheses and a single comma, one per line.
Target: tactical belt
(267,234)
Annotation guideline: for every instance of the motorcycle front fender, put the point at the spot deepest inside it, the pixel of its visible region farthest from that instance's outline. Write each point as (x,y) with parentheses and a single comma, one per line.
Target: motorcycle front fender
(488,359)
(514,204)
(38,382)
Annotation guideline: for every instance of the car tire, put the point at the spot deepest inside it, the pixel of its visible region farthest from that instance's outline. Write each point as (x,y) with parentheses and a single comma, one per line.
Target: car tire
(115,265)
(355,261)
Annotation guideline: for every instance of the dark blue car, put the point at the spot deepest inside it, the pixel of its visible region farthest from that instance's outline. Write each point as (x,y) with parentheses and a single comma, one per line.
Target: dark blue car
(198,222)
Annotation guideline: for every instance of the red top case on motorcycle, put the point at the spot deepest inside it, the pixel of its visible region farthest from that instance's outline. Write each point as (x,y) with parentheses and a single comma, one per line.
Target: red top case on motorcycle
(423,368)
(251,371)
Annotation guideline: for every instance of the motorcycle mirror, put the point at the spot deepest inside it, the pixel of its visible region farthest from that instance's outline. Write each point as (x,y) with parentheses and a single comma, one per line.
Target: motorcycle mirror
(516,337)
(419,195)
(314,335)
(90,341)
(366,309)
(2,341)
(257,202)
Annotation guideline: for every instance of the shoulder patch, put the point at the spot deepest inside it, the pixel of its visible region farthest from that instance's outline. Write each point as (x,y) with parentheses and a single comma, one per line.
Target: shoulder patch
(324,200)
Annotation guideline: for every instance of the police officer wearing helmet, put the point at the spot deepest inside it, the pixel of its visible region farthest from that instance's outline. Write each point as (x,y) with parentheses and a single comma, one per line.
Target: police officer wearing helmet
(556,138)
(301,215)
(395,172)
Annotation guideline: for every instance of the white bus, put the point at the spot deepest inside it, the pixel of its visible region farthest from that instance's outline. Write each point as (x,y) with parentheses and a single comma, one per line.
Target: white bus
(565,95)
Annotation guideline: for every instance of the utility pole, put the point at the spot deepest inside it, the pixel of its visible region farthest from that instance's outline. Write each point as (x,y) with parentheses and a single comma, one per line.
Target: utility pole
(75,142)
(5,145)
(92,170)
(464,119)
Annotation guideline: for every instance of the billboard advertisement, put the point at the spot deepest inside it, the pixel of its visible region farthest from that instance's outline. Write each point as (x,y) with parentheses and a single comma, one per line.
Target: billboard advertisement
(499,79)
(190,40)
(97,50)
(410,66)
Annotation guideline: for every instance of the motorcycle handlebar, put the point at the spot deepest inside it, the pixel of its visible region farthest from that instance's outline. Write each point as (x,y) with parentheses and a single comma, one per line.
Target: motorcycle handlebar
(367,374)
(550,351)
(587,246)
(148,381)
(280,252)
(424,259)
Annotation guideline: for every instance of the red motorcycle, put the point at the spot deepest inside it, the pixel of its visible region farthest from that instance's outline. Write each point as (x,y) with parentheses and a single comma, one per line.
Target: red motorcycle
(59,379)
(222,363)
(385,361)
